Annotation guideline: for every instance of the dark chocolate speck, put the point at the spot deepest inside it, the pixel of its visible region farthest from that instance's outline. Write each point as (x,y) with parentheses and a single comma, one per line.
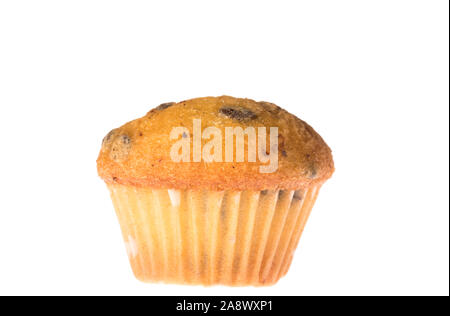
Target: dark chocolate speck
(126,139)
(237,113)
(164,106)
(312,172)
(108,136)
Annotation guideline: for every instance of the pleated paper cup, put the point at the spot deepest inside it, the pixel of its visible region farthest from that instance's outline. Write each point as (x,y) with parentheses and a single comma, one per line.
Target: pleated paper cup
(210,237)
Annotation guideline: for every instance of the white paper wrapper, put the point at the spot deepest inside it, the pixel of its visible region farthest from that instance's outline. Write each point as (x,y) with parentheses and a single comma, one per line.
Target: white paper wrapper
(208,237)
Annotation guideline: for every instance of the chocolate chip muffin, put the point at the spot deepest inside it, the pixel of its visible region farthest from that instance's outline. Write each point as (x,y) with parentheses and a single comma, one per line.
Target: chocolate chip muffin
(213,190)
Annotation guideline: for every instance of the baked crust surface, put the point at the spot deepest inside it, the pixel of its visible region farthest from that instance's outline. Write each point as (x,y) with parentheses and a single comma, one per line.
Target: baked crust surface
(138,153)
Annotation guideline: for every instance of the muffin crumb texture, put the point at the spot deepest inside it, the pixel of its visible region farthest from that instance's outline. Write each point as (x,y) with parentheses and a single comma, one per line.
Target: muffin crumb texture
(138,153)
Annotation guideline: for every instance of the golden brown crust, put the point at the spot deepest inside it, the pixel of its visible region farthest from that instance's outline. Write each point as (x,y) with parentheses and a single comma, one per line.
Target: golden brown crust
(138,153)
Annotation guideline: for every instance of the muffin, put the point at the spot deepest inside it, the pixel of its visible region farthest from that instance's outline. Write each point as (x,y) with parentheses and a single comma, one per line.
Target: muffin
(213,190)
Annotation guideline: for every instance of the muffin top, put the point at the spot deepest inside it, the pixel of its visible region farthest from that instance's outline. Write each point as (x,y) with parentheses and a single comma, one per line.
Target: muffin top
(216,143)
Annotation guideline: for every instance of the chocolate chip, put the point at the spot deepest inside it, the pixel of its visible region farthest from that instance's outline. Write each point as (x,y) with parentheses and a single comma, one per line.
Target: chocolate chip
(114,179)
(118,147)
(270,107)
(281,145)
(164,106)
(237,113)
(264,192)
(126,139)
(108,136)
(312,172)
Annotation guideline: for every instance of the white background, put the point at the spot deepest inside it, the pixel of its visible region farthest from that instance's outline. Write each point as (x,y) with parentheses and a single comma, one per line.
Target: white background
(370,76)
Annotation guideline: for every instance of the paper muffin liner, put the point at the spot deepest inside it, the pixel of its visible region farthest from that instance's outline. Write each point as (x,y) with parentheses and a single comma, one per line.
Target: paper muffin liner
(208,237)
